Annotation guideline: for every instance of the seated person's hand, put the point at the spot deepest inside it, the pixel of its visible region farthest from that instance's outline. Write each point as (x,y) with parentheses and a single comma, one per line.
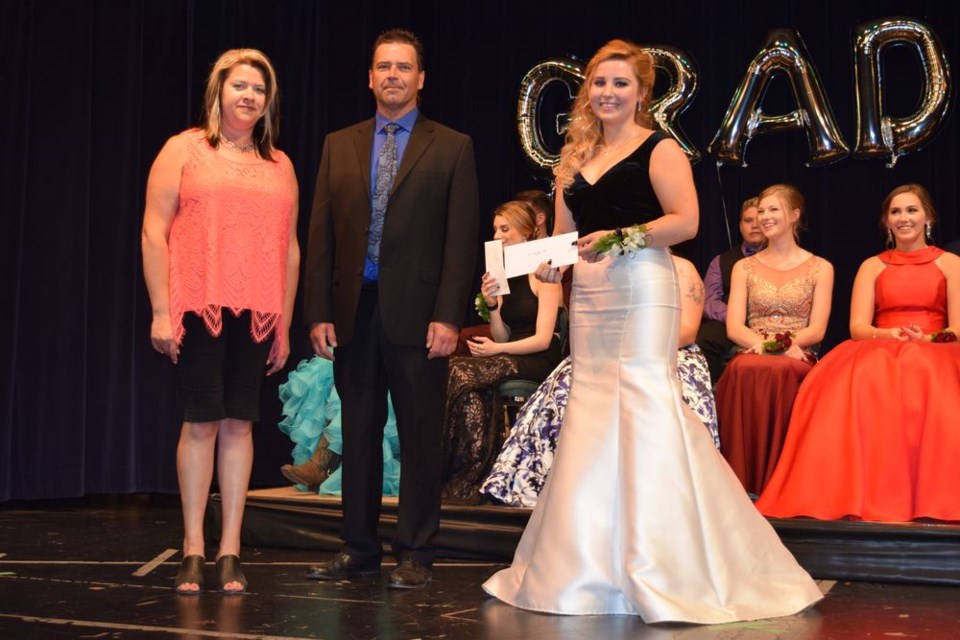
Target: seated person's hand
(899,333)
(913,332)
(757,349)
(794,351)
(489,287)
(482,346)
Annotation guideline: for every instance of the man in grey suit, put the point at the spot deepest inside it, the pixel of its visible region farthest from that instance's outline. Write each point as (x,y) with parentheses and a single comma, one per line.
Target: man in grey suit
(390,264)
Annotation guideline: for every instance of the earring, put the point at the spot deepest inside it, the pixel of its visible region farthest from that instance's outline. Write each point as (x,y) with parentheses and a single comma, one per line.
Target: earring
(929,230)
(890,242)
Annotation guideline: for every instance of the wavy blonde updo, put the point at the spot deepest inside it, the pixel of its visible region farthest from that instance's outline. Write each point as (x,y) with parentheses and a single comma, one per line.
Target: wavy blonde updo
(268,127)
(520,215)
(585,131)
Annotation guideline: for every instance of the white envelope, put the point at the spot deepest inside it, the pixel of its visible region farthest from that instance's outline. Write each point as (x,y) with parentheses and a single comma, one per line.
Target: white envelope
(525,257)
(493,254)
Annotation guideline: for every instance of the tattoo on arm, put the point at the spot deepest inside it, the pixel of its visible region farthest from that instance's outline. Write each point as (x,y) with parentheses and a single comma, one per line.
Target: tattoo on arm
(695,292)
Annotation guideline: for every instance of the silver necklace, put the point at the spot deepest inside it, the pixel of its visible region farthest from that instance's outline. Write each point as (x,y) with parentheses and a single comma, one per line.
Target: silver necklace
(247,148)
(607,149)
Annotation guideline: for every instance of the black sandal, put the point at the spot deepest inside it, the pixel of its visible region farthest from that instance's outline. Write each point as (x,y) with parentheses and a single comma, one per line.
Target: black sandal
(191,572)
(228,570)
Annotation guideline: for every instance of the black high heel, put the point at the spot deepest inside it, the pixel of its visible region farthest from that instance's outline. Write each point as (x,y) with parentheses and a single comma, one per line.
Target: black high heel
(190,572)
(228,570)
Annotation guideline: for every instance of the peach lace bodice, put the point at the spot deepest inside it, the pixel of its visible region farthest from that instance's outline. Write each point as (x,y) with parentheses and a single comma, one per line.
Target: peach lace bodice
(779,300)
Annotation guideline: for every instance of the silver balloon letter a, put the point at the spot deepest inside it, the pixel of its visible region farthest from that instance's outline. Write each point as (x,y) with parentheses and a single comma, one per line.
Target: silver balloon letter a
(783,52)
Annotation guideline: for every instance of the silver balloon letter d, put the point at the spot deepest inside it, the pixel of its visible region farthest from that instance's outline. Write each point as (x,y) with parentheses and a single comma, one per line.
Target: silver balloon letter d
(880,135)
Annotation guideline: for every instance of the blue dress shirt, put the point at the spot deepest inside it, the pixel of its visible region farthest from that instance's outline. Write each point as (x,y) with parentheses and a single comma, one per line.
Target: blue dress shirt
(371,271)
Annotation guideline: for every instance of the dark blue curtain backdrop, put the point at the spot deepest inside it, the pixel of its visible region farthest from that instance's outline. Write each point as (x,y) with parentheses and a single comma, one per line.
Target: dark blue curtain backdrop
(92,90)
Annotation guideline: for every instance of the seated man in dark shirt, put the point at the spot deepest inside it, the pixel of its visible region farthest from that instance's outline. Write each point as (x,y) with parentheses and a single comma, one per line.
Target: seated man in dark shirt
(712,337)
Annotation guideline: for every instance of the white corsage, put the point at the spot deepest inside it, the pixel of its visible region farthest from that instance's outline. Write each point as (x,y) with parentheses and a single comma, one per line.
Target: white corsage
(629,240)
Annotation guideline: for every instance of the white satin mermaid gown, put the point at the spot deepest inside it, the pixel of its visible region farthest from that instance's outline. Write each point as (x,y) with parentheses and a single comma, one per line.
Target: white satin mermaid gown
(640,513)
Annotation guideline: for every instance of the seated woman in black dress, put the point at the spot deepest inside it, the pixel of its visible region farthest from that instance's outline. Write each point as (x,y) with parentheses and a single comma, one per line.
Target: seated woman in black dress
(524,345)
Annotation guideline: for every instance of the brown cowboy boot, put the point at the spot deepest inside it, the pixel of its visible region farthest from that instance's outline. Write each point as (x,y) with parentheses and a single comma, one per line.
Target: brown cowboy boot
(314,471)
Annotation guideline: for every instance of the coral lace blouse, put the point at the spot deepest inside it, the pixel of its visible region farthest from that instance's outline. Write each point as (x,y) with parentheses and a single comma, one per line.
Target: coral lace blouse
(229,239)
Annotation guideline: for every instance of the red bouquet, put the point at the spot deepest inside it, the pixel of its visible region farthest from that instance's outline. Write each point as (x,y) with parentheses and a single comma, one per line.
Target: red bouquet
(779,343)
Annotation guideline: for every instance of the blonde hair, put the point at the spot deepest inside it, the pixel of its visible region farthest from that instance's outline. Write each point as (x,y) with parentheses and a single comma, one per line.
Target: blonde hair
(267,129)
(792,198)
(520,215)
(585,132)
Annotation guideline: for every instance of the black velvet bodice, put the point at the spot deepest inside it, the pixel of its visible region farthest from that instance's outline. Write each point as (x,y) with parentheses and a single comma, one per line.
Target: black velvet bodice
(621,197)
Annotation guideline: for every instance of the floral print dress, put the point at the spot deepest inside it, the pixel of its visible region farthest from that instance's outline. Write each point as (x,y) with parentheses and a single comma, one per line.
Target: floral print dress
(527,455)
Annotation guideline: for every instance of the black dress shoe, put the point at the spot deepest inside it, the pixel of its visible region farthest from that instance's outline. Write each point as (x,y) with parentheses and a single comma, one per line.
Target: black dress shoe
(343,567)
(409,575)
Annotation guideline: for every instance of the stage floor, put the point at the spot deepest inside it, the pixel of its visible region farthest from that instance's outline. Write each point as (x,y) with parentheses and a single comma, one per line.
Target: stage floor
(103,568)
(920,553)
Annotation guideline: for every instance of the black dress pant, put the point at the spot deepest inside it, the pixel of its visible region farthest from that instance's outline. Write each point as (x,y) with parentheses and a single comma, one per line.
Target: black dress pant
(364,371)
(717,348)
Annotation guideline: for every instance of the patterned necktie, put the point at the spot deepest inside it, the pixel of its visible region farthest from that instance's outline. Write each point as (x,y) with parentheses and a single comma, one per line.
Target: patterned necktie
(386,173)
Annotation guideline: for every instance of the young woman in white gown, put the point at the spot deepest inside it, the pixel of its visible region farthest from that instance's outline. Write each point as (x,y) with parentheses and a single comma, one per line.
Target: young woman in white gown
(640,514)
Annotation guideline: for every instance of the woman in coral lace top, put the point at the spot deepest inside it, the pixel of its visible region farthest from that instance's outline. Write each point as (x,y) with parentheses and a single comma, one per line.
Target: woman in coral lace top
(873,435)
(221,259)
(782,289)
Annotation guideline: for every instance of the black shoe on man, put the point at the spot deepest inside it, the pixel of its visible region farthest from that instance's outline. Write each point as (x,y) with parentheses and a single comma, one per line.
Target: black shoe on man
(344,567)
(409,574)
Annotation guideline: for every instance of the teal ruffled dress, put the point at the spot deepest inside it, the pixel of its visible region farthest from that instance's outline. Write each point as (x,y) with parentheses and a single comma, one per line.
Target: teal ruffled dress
(311,409)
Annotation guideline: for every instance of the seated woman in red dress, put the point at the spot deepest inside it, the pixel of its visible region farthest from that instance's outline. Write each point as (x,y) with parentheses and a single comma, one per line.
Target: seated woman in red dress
(778,309)
(874,433)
